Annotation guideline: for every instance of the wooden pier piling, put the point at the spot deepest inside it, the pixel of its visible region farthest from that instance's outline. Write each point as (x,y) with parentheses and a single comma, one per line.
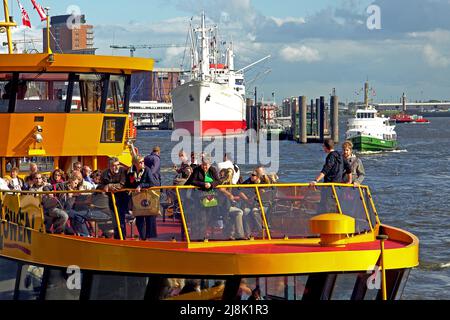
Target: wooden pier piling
(303,121)
(334,112)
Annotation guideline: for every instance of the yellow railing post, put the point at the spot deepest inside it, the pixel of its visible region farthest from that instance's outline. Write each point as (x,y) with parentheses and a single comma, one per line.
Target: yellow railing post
(373,205)
(365,208)
(41,209)
(337,199)
(263,213)
(383,238)
(183,219)
(3,206)
(116,213)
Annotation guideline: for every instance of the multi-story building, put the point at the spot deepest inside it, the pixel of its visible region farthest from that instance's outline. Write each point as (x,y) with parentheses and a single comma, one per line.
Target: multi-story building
(70,34)
(156,85)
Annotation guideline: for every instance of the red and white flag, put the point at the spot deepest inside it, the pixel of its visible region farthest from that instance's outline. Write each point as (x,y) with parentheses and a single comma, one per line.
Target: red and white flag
(39,10)
(25,18)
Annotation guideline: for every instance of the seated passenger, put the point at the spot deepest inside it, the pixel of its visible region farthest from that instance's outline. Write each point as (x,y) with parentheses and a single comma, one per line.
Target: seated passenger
(15,183)
(234,228)
(250,205)
(58,207)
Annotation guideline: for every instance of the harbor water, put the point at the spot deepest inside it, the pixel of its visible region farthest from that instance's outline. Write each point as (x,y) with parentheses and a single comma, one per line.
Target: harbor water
(410,187)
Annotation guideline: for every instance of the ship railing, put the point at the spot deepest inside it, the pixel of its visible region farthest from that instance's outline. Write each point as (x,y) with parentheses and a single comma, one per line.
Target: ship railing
(185,213)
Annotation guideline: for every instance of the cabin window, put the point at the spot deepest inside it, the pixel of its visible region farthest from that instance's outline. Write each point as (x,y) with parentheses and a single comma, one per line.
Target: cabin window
(116,94)
(41,92)
(44,164)
(87,92)
(5,91)
(58,286)
(344,286)
(117,287)
(113,129)
(188,289)
(7,278)
(30,282)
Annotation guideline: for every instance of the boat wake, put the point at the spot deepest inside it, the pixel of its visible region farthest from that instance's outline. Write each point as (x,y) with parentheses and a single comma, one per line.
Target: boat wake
(381,152)
(433,266)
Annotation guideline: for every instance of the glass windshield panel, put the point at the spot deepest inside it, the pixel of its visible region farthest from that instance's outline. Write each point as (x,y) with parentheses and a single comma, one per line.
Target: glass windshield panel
(5,91)
(212,215)
(87,92)
(115,99)
(42,92)
(44,164)
(289,209)
(352,205)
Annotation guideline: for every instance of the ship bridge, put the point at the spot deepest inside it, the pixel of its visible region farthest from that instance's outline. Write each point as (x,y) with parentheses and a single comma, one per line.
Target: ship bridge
(56,109)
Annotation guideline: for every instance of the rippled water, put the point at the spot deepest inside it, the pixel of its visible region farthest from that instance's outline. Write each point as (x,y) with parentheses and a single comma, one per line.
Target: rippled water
(410,188)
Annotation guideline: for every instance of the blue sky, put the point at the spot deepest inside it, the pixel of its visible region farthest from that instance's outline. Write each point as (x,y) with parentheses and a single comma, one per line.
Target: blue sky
(315,45)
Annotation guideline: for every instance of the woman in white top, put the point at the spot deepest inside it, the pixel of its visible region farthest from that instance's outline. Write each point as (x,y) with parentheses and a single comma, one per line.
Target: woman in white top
(15,183)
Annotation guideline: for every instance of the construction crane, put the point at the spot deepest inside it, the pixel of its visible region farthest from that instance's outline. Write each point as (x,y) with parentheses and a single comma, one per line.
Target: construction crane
(24,43)
(133,48)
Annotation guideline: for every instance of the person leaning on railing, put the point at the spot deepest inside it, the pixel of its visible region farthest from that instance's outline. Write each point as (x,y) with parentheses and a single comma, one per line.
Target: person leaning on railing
(205,178)
(356,165)
(113,180)
(140,177)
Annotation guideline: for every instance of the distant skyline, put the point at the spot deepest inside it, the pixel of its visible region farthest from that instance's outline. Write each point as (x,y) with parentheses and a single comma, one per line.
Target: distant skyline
(315,45)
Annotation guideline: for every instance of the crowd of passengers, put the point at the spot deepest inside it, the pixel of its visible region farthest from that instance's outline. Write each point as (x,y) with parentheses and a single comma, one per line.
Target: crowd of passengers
(234,211)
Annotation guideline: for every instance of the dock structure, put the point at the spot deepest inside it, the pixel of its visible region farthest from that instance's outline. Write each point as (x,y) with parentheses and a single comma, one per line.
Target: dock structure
(315,122)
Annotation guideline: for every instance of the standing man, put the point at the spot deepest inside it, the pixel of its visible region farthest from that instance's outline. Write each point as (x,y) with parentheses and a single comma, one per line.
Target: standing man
(113,180)
(153,161)
(335,166)
(332,172)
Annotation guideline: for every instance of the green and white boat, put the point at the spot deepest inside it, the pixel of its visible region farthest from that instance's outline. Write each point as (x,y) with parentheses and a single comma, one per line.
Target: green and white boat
(370,132)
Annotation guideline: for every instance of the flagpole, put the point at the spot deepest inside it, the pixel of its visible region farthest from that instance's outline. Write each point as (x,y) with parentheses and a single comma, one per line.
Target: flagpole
(7,25)
(49,50)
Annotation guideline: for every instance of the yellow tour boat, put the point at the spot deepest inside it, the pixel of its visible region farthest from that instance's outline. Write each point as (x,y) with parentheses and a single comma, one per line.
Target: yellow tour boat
(300,243)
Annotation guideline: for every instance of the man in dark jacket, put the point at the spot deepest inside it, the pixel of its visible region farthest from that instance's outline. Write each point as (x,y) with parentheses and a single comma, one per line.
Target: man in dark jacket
(153,161)
(332,172)
(141,177)
(113,180)
(335,166)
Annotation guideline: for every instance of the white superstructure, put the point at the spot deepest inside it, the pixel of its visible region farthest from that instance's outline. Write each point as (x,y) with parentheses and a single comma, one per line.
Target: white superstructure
(212,100)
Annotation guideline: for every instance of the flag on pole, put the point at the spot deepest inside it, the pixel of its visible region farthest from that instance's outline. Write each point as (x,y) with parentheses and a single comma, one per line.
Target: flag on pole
(39,10)
(25,18)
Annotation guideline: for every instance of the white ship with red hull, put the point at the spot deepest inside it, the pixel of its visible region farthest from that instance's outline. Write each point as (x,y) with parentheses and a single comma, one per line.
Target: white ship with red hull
(212,101)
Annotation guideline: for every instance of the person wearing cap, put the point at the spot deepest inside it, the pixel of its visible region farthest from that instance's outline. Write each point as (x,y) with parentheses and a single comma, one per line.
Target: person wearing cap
(153,161)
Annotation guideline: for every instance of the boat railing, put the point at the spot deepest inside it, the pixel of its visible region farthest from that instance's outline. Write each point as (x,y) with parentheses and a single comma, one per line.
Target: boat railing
(188,214)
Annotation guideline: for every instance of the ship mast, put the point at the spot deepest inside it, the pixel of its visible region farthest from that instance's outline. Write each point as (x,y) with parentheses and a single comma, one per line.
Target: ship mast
(204,65)
(7,25)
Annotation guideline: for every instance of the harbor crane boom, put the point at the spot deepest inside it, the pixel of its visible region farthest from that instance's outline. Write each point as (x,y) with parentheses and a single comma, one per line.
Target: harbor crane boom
(133,48)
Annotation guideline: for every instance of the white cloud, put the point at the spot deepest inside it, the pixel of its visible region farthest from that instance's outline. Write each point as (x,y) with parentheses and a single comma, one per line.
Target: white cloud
(281,21)
(300,54)
(174,53)
(438,35)
(434,58)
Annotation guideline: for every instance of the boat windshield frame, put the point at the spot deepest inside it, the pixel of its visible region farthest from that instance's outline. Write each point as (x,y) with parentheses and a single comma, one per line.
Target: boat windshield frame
(116,94)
